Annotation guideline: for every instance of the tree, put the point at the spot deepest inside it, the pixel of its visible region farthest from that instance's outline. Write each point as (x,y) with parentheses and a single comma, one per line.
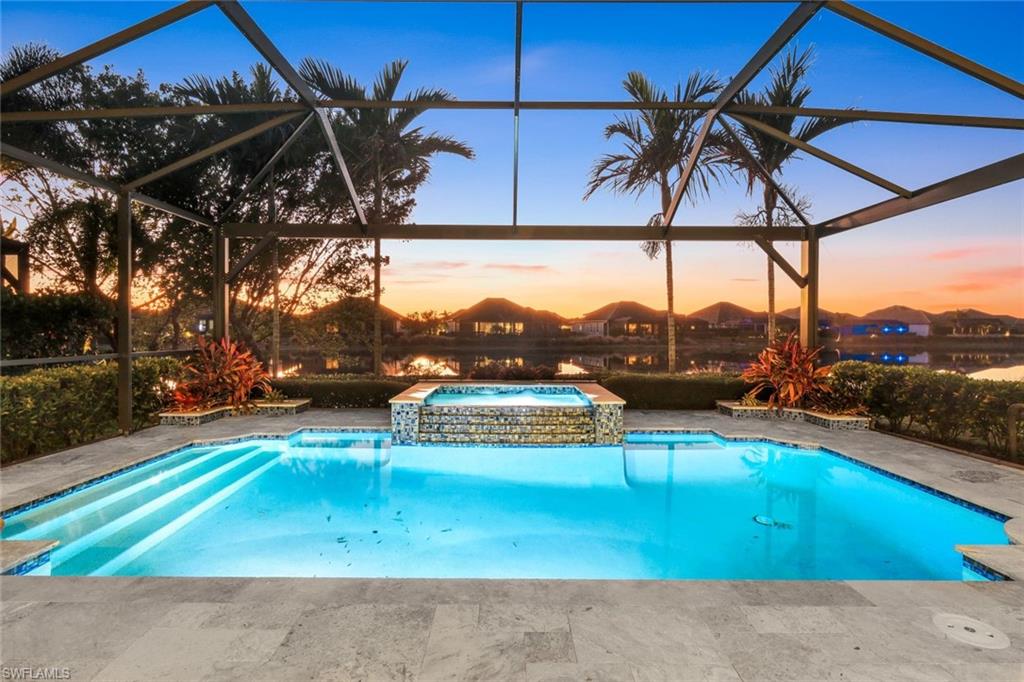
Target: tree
(786,88)
(306,189)
(658,144)
(393,158)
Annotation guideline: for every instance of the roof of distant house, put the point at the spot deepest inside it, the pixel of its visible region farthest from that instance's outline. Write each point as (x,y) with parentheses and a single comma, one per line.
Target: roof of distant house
(626,311)
(504,310)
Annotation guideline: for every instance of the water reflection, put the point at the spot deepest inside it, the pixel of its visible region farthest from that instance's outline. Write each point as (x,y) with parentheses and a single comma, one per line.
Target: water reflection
(460,363)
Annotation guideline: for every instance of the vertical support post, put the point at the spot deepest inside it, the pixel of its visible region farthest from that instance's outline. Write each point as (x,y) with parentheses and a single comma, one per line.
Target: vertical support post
(220,284)
(24,275)
(124,312)
(275,335)
(809,292)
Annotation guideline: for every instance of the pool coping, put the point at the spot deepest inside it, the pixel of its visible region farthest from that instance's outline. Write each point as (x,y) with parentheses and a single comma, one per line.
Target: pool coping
(974,559)
(593,391)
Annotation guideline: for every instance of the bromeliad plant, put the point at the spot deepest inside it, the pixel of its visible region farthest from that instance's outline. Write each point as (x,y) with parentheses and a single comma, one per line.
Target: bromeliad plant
(787,371)
(223,373)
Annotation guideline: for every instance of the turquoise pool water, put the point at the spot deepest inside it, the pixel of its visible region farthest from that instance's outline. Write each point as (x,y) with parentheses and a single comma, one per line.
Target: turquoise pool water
(486,396)
(663,507)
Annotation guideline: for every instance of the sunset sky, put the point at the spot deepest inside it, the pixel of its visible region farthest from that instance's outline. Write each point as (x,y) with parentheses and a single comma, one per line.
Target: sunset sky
(967,253)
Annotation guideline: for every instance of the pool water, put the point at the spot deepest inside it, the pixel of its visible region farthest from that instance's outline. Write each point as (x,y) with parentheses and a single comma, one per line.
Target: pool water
(483,396)
(662,507)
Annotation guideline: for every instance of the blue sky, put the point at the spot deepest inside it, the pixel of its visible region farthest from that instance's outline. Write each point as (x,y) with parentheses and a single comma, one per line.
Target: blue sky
(958,254)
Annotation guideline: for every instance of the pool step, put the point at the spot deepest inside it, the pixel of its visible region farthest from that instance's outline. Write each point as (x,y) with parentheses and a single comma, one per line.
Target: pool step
(513,425)
(92,539)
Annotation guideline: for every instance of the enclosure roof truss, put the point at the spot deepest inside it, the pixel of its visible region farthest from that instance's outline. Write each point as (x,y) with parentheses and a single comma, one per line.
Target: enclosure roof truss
(316,109)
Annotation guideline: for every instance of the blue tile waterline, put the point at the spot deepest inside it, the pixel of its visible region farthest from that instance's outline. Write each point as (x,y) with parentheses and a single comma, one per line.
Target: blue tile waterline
(532,512)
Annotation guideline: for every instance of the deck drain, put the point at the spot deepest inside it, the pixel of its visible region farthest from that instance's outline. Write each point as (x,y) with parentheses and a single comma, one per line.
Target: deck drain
(970,631)
(975,476)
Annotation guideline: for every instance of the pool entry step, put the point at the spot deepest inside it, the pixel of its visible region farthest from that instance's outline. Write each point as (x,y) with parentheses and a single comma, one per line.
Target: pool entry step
(506,414)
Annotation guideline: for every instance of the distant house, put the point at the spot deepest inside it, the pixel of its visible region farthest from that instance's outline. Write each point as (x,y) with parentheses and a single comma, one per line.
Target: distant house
(875,328)
(724,315)
(624,318)
(502,317)
(354,315)
(972,322)
(894,320)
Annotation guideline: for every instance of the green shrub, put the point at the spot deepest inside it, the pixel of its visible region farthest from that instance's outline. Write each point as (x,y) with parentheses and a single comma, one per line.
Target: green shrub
(54,408)
(943,407)
(343,390)
(49,324)
(674,391)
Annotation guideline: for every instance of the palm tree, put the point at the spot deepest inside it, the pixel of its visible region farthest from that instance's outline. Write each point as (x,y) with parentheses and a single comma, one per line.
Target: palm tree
(386,154)
(658,144)
(786,88)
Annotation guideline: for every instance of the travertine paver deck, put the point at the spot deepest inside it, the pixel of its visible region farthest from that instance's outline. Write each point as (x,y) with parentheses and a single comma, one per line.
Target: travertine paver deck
(343,629)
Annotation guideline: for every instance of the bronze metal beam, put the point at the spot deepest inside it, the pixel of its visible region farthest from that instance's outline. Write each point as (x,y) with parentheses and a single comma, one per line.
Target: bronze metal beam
(924,46)
(504,232)
(213,149)
(104,45)
(765,174)
(269,165)
(100,183)
(822,154)
(124,312)
(251,30)
(1002,122)
(782,35)
(781,261)
(515,112)
(260,246)
(809,265)
(986,177)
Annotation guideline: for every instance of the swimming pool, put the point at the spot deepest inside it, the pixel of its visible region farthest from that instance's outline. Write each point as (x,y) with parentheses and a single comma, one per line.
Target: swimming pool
(665,506)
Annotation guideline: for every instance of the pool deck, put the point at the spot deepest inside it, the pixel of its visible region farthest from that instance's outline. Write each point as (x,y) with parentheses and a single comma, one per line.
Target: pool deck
(343,629)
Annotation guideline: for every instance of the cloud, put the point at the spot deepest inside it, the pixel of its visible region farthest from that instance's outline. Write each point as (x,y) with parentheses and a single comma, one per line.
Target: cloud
(985,280)
(517,267)
(440,264)
(958,254)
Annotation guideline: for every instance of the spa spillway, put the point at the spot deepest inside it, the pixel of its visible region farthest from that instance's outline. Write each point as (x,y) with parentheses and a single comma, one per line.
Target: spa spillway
(506,414)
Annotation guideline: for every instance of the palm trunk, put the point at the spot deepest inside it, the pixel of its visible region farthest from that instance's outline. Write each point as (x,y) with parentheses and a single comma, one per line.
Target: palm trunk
(670,317)
(770,201)
(670,291)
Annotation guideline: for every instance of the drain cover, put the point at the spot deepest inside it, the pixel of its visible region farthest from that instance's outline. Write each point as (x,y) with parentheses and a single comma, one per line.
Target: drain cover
(975,476)
(970,631)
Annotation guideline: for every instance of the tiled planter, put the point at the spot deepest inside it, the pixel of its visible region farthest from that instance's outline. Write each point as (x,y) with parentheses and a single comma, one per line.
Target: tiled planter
(265,408)
(832,422)
(261,408)
(175,418)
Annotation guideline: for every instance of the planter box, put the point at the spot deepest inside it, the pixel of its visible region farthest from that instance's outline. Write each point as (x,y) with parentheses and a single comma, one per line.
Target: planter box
(277,408)
(261,408)
(833,422)
(193,418)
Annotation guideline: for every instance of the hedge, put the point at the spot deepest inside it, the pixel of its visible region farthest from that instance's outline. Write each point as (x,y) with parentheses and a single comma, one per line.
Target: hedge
(343,390)
(55,408)
(642,391)
(674,391)
(942,407)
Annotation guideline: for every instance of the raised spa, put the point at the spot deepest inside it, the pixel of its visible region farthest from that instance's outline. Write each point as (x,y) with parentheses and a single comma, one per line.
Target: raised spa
(506,414)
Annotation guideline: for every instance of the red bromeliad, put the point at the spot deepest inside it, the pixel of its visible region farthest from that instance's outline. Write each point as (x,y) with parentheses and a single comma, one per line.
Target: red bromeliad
(223,373)
(788,370)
